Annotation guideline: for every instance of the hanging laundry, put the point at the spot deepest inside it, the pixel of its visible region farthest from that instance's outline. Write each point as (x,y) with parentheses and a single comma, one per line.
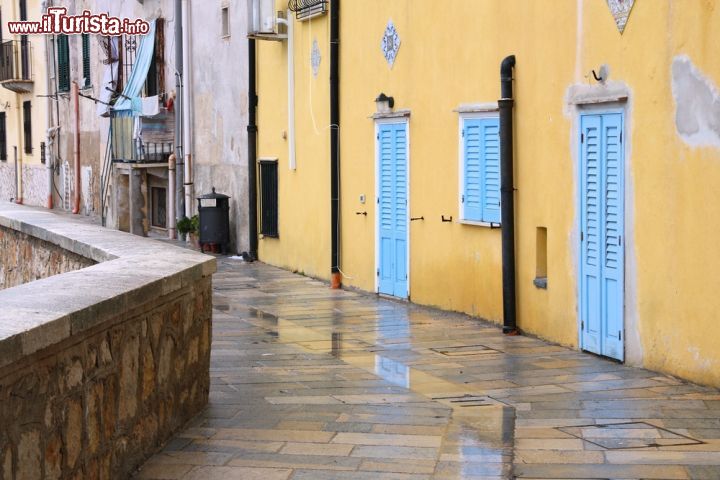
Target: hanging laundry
(150,106)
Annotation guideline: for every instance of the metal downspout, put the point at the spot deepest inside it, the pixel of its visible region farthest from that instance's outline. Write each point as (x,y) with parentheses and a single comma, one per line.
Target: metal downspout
(50,130)
(76,158)
(336,276)
(252,130)
(172,223)
(187,105)
(20,140)
(507,192)
(178,105)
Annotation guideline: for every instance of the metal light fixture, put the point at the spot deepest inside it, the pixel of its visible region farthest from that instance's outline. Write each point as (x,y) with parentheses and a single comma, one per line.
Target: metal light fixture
(384,104)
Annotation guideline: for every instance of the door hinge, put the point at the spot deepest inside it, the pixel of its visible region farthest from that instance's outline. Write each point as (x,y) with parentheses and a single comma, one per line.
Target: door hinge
(582,138)
(377,137)
(582,236)
(619,335)
(620,240)
(406,276)
(463,133)
(378,200)
(582,325)
(620,137)
(463,199)
(377,272)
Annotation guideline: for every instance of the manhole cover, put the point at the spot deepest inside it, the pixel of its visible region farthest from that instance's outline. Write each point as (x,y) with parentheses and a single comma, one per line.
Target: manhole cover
(617,436)
(465,350)
(469,400)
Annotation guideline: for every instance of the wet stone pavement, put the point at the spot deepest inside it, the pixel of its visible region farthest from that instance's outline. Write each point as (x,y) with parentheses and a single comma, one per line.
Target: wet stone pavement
(311,384)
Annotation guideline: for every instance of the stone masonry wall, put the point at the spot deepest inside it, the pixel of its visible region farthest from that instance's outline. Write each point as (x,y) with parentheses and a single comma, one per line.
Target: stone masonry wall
(97,405)
(24,258)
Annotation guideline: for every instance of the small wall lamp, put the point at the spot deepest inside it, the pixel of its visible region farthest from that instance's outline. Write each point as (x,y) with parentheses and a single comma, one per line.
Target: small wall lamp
(384,104)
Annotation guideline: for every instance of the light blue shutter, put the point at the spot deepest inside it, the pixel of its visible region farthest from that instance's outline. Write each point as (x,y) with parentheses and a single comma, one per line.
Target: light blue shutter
(590,233)
(393,209)
(602,224)
(385,206)
(472,165)
(491,171)
(612,225)
(400,288)
(481,167)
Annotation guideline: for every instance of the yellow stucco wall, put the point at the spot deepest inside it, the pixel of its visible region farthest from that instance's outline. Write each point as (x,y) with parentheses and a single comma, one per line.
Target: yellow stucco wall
(304,201)
(12,103)
(451,56)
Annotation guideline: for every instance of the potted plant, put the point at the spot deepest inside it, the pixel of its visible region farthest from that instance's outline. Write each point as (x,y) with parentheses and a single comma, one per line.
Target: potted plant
(184,226)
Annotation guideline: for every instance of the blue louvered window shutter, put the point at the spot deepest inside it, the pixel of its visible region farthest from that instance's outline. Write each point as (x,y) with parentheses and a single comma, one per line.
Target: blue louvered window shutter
(491,170)
(481,170)
(472,167)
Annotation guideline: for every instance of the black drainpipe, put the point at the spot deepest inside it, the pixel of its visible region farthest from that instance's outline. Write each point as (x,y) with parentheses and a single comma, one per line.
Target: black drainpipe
(252,153)
(334,140)
(507,191)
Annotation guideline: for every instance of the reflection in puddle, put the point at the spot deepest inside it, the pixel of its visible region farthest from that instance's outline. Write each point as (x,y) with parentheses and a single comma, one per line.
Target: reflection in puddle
(479,432)
(392,371)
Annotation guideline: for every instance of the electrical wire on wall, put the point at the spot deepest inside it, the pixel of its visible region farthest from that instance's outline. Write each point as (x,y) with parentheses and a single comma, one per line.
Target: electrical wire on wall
(319,132)
(339,230)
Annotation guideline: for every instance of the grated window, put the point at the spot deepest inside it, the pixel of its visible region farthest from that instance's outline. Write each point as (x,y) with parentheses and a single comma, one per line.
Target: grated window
(269,198)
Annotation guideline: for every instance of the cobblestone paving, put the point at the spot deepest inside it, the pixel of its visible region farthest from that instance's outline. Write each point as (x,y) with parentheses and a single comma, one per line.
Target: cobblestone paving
(310,383)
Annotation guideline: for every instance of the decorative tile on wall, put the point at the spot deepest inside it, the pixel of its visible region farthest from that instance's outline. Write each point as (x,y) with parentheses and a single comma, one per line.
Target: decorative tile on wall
(315,58)
(621,11)
(390,43)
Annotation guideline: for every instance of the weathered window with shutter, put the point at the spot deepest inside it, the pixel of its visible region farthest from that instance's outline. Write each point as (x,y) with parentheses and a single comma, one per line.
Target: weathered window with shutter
(86,59)
(63,60)
(269,198)
(27,126)
(155,83)
(480,163)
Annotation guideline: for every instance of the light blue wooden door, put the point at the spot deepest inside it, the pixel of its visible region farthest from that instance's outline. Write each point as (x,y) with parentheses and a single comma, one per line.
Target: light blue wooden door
(601,237)
(392,209)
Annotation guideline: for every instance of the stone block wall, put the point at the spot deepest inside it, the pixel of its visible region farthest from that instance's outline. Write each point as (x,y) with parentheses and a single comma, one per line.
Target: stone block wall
(98,366)
(24,259)
(95,407)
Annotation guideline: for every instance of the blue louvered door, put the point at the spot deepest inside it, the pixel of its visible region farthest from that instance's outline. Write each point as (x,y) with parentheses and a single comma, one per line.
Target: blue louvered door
(601,237)
(392,209)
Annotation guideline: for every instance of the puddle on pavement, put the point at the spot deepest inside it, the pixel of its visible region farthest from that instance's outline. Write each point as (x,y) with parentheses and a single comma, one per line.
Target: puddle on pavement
(480,431)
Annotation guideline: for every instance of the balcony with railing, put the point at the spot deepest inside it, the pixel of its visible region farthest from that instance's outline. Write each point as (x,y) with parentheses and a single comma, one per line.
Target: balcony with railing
(16,65)
(147,140)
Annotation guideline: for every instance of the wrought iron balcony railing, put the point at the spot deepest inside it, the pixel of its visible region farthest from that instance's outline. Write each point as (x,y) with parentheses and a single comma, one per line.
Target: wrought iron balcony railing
(305,9)
(16,65)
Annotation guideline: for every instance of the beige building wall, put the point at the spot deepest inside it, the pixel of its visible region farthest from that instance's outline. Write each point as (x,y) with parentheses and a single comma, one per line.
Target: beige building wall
(27,180)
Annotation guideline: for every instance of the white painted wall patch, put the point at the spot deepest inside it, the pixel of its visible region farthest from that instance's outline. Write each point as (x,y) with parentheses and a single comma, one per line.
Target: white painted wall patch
(697,104)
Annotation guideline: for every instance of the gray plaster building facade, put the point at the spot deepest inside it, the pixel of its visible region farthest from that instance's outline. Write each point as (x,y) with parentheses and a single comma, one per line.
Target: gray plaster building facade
(194,105)
(220,106)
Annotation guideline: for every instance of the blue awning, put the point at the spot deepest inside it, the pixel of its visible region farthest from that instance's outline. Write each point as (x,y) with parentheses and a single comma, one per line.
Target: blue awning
(129,103)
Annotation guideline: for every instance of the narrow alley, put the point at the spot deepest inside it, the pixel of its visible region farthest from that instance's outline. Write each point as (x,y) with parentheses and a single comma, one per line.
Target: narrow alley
(314,383)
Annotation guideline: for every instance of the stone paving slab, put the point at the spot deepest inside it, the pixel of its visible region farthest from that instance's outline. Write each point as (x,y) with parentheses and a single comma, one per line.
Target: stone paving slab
(312,384)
